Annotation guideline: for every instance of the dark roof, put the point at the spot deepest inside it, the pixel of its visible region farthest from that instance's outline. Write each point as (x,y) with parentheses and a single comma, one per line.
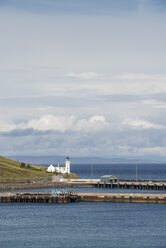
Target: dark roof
(67,158)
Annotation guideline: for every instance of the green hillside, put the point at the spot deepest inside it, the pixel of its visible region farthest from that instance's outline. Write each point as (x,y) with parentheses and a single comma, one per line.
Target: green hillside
(10,169)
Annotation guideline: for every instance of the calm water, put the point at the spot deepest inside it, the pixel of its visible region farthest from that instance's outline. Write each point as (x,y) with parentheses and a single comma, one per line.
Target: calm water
(144,171)
(98,225)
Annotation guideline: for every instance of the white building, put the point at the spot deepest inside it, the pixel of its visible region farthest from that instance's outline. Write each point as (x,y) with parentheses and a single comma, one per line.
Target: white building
(51,168)
(64,168)
(60,168)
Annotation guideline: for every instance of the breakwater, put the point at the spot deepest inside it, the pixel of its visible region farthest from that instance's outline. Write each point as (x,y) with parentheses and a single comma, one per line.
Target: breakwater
(121,184)
(85,183)
(122,197)
(38,197)
(140,185)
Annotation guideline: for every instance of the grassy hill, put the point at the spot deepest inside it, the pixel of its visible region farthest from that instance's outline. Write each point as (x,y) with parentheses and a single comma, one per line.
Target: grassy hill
(11,169)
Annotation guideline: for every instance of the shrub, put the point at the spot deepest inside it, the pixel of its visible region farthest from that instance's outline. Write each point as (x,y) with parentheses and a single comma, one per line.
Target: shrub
(22,165)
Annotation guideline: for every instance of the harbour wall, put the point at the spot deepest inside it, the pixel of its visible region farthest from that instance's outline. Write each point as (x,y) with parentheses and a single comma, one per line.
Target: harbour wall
(38,197)
(85,183)
(123,197)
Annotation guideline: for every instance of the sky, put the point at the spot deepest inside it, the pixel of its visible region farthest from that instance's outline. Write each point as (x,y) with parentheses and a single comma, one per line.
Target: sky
(83,78)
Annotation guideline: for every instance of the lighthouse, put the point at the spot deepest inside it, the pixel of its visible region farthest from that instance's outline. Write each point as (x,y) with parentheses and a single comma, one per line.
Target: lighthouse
(67,165)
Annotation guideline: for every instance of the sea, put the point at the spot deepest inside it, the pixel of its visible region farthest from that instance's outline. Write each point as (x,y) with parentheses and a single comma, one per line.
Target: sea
(98,225)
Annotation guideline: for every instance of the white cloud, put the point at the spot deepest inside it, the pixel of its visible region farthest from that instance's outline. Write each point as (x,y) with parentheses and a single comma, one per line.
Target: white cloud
(85,75)
(94,123)
(138,83)
(58,123)
(141,124)
(141,76)
(97,118)
(50,122)
(6,127)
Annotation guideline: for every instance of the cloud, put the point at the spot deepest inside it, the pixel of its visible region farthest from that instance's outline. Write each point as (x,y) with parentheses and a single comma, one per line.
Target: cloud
(156,150)
(143,151)
(141,124)
(82,137)
(85,75)
(136,76)
(59,95)
(6,127)
(94,123)
(97,118)
(50,122)
(140,76)
(57,123)
(138,83)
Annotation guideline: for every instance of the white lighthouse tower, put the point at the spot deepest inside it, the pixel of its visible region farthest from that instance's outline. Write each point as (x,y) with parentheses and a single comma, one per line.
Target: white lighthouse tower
(67,165)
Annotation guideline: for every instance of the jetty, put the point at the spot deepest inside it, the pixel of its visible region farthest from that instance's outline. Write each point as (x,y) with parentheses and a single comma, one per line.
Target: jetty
(69,197)
(121,184)
(36,183)
(37,197)
(122,197)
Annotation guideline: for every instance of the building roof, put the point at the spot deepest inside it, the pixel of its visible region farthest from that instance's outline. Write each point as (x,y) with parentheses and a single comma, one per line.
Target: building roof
(61,165)
(109,176)
(51,165)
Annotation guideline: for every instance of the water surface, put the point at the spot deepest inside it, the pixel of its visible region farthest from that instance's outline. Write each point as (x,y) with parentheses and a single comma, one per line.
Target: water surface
(98,225)
(76,225)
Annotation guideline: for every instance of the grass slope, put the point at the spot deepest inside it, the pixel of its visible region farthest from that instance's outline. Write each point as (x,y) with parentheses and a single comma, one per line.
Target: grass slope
(71,176)
(10,169)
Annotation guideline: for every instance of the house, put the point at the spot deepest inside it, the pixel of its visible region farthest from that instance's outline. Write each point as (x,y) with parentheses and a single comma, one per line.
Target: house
(51,168)
(64,169)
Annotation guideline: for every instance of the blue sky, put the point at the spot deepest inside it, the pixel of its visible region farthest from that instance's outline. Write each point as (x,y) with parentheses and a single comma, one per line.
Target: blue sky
(83,78)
